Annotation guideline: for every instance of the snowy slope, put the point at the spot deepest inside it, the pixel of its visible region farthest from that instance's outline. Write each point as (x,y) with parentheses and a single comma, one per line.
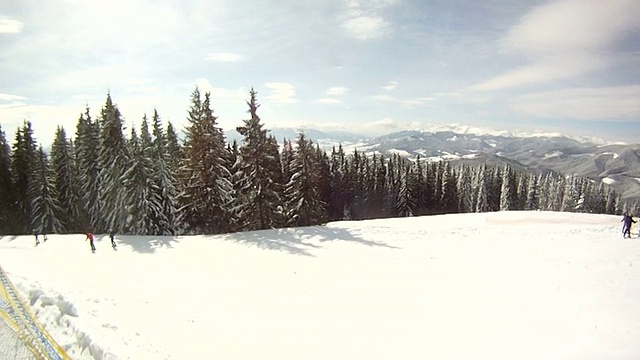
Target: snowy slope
(525,285)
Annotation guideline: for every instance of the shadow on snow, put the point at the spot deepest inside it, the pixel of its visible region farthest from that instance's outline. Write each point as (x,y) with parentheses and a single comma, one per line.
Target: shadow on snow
(298,241)
(142,244)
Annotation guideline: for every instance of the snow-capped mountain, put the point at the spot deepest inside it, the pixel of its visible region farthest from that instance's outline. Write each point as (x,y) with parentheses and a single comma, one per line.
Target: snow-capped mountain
(614,164)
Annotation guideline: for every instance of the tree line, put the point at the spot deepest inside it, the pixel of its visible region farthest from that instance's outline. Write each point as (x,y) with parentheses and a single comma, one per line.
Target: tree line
(155,182)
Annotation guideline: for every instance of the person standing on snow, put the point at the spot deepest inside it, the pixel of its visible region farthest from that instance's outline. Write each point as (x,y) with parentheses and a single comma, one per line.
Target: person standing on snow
(112,236)
(90,238)
(627,220)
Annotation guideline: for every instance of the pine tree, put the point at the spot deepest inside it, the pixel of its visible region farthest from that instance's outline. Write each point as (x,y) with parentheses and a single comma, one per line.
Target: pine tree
(139,186)
(23,165)
(258,201)
(508,191)
(416,187)
(303,202)
(207,186)
(169,221)
(87,151)
(533,194)
(381,194)
(7,210)
(571,195)
(337,184)
(65,181)
(113,161)
(405,203)
(45,206)
(522,191)
(482,204)
(465,190)
(175,153)
(611,207)
(449,190)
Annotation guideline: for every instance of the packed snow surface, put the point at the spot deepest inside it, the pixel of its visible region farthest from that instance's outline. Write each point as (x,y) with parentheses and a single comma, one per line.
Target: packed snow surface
(506,285)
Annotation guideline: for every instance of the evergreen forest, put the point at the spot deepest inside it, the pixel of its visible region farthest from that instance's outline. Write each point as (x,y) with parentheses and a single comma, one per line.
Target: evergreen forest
(158,180)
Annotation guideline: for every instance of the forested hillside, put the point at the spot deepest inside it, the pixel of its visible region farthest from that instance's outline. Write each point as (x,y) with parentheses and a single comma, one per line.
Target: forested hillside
(151,182)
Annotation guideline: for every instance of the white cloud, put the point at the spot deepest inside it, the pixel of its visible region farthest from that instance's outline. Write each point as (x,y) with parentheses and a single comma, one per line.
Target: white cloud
(574,26)
(608,103)
(223,57)
(566,39)
(337,91)
(329,101)
(391,86)
(281,93)
(366,27)
(363,19)
(418,101)
(10,26)
(11,97)
(558,68)
(385,123)
(205,86)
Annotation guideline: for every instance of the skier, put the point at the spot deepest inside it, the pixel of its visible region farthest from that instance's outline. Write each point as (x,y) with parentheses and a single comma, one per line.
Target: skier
(112,236)
(35,233)
(627,220)
(90,238)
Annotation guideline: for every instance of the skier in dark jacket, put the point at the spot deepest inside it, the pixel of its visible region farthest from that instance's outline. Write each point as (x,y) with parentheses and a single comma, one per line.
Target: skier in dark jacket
(112,236)
(627,220)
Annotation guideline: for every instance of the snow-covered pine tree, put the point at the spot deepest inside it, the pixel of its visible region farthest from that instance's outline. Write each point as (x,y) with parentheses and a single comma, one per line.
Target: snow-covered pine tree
(175,153)
(304,205)
(207,187)
(321,159)
(113,161)
(286,157)
(450,199)
(169,222)
(533,194)
(553,191)
(571,194)
(432,203)
(337,191)
(482,205)
(465,190)
(44,205)
(359,180)
(437,191)
(508,191)
(7,213)
(522,191)
(277,179)
(494,187)
(405,200)
(416,187)
(612,201)
(599,201)
(258,201)
(23,165)
(140,203)
(381,187)
(65,181)
(87,151)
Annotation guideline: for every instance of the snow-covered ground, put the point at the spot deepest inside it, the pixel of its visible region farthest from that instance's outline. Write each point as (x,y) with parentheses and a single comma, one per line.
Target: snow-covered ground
(508,285)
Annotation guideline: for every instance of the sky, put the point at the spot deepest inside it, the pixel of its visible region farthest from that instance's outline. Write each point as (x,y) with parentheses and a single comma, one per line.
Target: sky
(504,285)
(366,66)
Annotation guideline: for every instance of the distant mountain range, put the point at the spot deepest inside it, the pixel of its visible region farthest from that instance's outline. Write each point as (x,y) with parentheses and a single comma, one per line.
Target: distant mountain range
(615,164)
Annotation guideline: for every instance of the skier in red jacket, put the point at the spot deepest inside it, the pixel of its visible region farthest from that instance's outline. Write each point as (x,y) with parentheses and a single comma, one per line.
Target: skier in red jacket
(90,238)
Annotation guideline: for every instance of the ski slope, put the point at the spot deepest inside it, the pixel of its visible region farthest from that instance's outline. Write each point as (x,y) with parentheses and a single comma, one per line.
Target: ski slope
(507,285)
